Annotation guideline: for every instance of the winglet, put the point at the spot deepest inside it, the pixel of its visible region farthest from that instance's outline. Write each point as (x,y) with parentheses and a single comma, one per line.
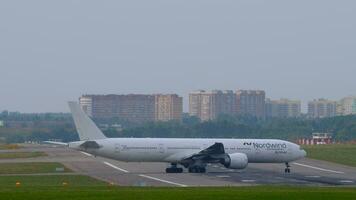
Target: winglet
(86,128)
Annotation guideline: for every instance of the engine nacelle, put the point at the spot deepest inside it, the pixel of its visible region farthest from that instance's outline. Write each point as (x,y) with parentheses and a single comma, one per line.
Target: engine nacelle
(235,161)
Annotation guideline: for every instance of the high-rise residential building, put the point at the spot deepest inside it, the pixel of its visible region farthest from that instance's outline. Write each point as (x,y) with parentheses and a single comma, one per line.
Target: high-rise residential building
(251,102)
(86,102)
(321,108)
(137,108)
(225,102)
(339,108)
(133,107)
(346,106)
(283,108)
(202,105)
(195,101)
(209,105)
(168,107)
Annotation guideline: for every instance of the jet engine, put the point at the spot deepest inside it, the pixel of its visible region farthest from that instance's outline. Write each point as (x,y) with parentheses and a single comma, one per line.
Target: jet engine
(235,161)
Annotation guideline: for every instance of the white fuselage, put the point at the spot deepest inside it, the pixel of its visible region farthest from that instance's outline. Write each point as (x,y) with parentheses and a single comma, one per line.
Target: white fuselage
(174,150)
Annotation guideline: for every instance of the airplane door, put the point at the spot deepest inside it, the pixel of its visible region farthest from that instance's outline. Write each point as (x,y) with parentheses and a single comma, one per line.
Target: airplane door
(161,148)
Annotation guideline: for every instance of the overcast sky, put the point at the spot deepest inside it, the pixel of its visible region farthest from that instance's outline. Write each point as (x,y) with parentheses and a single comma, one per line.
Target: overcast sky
(54,51)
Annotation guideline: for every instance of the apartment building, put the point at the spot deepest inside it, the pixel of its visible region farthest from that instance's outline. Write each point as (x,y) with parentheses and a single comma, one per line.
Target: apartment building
(283,108)
(251,102)
(133,107)
(320,108)
(136,108)
(346,106)
(209,105)
(168,107)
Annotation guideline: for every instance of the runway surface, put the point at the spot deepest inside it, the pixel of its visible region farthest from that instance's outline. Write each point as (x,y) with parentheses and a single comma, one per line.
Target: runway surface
(304,172)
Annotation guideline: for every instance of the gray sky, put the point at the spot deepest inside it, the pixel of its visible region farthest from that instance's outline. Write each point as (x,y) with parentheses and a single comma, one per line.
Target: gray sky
(54,51)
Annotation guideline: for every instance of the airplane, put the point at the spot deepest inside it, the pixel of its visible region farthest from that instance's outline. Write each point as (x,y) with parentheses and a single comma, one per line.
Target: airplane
(191,153)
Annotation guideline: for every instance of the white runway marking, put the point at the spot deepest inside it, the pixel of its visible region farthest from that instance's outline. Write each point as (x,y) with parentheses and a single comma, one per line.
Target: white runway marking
(163,181)
(248,181)
(85,153)
(115,167)
(312,176)
(346,181)
(223,176)
(318,168)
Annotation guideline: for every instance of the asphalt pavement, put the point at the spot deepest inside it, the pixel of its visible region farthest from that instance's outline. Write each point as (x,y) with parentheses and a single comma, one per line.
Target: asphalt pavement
(304,172)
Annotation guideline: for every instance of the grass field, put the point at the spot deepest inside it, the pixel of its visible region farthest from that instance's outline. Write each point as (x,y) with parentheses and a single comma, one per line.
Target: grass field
(31,168)
(13,155)
(76,187)
(9,146)
(34,181)
(339,153)
(77,192)
(85,188)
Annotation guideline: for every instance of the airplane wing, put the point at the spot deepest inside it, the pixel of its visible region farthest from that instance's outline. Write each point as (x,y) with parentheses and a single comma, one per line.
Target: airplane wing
(212,154)
(217,148)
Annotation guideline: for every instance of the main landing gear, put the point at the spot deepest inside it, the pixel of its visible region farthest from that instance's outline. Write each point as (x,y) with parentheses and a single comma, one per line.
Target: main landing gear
(192,169)
(174,169)
(287,170)
(197,169)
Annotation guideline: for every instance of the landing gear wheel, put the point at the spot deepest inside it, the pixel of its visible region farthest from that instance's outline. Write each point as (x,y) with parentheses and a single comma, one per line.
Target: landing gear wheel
(174,169)
(202,169)
(287,170)
(197,169)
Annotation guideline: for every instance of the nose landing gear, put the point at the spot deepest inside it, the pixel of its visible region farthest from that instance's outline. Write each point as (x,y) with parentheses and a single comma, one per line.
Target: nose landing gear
(287,170)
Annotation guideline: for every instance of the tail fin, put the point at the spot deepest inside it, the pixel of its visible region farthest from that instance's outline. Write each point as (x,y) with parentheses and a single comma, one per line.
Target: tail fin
(86,128)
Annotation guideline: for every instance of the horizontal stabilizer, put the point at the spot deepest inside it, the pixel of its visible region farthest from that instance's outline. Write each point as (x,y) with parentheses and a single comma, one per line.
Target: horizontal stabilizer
(56,143)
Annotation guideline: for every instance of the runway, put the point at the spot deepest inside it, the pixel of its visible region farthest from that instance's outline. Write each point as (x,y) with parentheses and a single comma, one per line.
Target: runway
(304,172)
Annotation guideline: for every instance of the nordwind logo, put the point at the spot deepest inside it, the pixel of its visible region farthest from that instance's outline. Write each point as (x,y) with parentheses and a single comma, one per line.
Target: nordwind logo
(269,145)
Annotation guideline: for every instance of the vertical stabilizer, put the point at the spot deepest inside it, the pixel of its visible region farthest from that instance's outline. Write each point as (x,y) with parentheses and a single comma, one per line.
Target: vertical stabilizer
(86,128)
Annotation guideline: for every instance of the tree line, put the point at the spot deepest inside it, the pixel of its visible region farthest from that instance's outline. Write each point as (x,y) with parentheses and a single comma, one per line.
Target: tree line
(62,127)
(343,128)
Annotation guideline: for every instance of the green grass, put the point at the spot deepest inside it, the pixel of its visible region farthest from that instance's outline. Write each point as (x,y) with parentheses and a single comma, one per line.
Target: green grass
(9,146)
(31,168)
(38,182)
(86,188)
(339,153)
(117,193)
(13,155)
